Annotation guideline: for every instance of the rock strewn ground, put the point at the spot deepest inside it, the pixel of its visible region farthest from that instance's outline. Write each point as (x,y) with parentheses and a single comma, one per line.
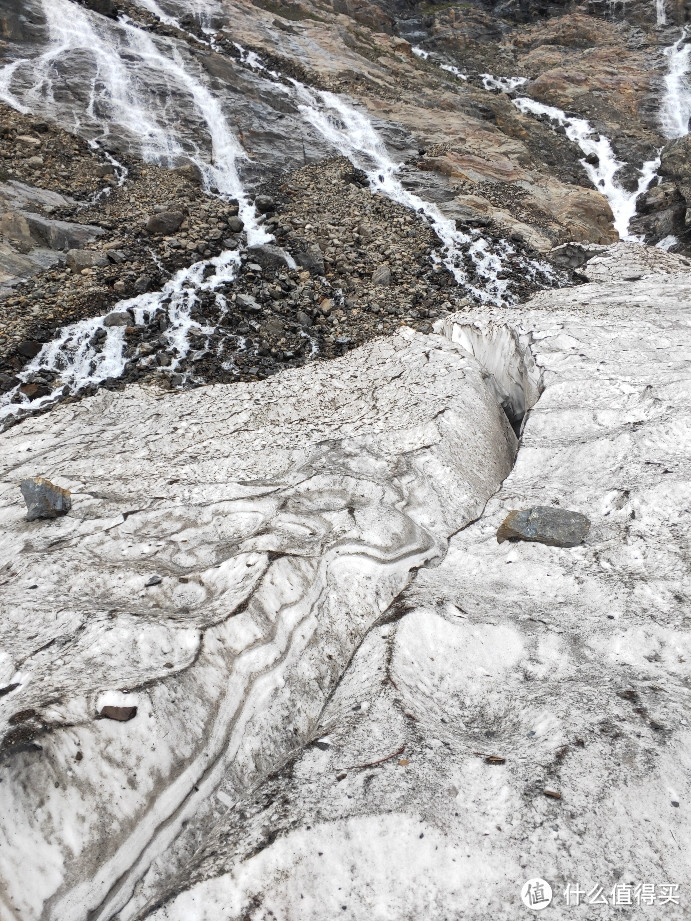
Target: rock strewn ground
(135,260)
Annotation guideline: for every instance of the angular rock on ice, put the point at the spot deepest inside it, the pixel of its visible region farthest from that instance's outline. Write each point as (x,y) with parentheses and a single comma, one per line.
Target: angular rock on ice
(553,526)
(44,499)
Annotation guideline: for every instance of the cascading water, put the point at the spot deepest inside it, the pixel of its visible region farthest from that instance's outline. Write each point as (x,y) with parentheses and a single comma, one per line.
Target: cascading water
(91,351)
(675,112)
(599,160)
(660,13)
(121,56)
(352,134)
(350,131)
(503,84)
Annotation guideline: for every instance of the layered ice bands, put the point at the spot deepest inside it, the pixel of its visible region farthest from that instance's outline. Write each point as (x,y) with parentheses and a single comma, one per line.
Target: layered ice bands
(599,162)
(294,512)
(282,520)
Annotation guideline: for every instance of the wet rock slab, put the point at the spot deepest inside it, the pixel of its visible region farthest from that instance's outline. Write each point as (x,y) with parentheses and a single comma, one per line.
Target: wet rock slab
(44,499)
(552,526)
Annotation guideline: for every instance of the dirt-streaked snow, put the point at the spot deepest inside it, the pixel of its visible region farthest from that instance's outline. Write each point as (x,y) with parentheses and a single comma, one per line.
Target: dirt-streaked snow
(286,645)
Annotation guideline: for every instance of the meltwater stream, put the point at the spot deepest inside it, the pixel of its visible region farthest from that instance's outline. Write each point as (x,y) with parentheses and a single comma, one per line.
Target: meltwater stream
(350,131)
(121,56)
(599,161)
(675,112)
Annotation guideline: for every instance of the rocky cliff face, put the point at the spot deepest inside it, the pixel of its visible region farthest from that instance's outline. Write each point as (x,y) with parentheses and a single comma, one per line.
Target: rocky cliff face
(298,302)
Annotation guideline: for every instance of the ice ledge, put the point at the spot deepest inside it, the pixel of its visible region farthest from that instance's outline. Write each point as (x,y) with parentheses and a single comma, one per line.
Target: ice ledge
(529,702)
(296,510)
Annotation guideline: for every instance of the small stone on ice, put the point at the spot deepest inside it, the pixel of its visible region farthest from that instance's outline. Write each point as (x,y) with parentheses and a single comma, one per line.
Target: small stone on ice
(154,580)
(44,499)
(553,526)
(121,714)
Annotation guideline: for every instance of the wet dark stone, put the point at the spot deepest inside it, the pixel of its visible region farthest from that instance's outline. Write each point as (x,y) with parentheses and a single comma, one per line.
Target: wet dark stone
(7,381)
(166,222)
(121,714)
(44,499)
(34,391)
(310,257)
(236,224)
(271,258)
(541,524)
(104,7)
(117,318)
(264,204)
(29,348)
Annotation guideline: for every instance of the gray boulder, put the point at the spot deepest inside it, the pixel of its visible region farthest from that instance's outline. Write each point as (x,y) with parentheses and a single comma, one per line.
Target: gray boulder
(166,222)
(117,318)
(235,224)
(382,275)
(270,258)
(541,524)
(44,499)
(247,302)
(574,255)
(264,204)
(190,172)
(79,259)
(310,257)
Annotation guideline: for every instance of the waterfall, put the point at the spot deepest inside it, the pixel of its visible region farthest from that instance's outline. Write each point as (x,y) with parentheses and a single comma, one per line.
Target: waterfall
(599,162)
(503,84)
(660,13)
(115,70)
(675,111)
(120,57)
(124,65)
(351,132)
(201,10)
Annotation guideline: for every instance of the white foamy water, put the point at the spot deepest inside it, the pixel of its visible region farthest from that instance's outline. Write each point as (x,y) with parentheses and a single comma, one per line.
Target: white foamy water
(204,11)
(449,68)
(503,84)
(675,111)
(351,132)
(6,76)
(81,359)
(118,73)
(601,173)
(660,13)
(667,242)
